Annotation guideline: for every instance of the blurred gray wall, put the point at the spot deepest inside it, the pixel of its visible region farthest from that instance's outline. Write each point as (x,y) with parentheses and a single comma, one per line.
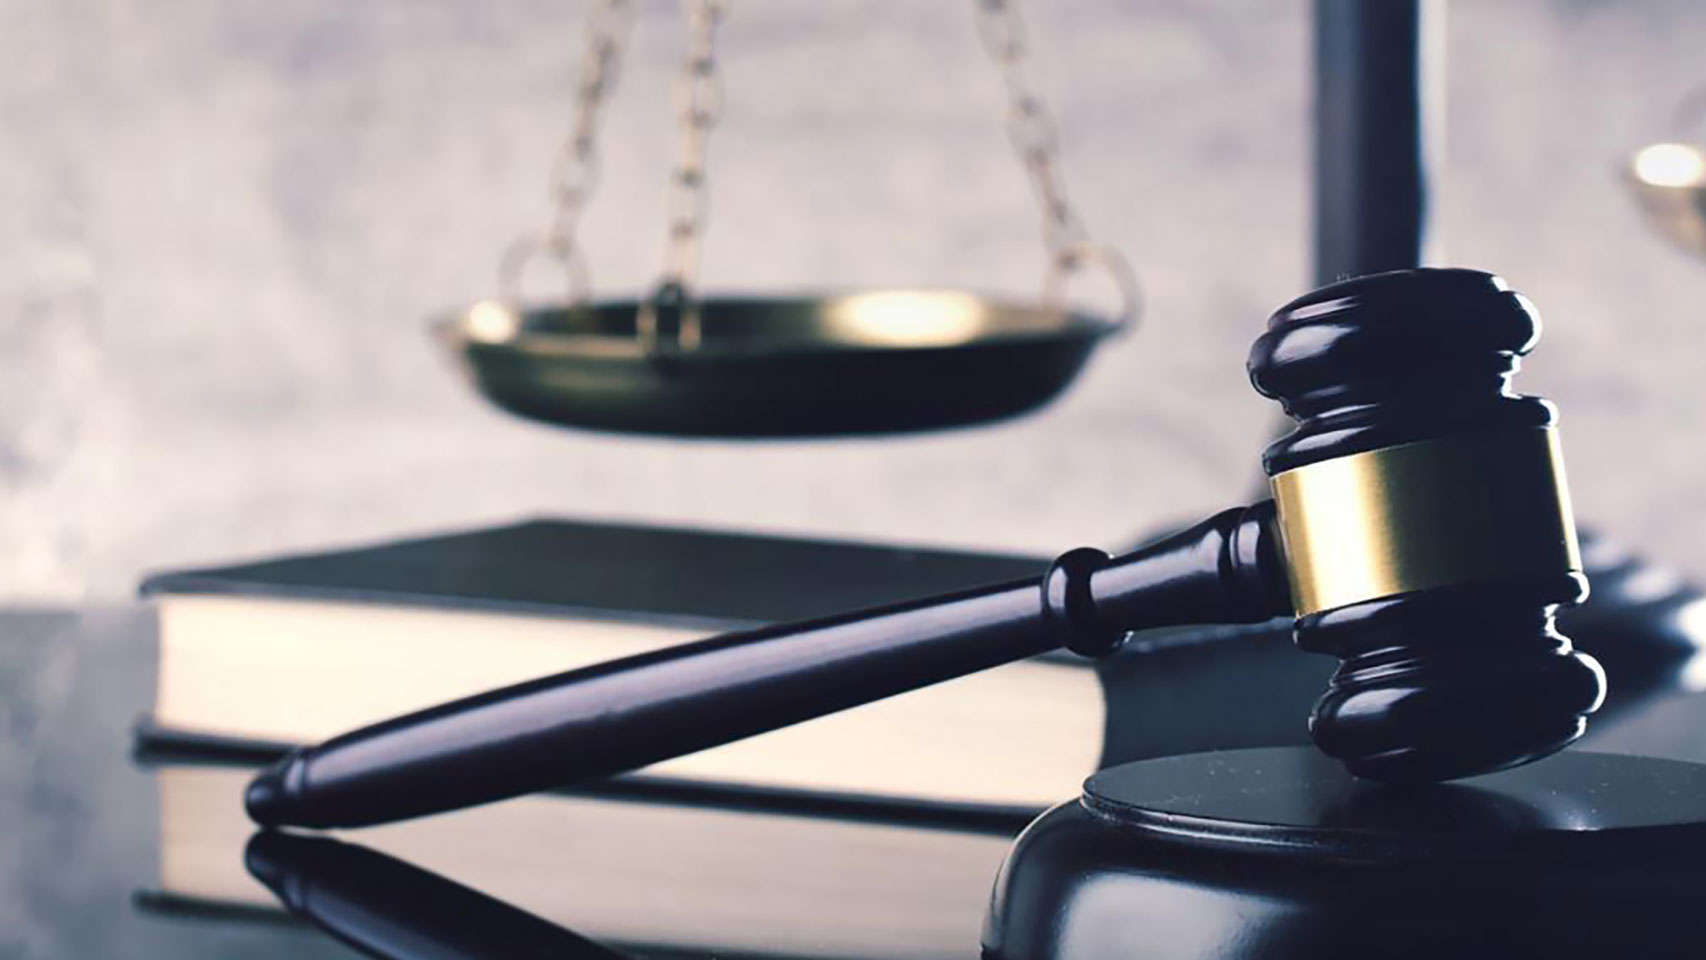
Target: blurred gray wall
(223,227)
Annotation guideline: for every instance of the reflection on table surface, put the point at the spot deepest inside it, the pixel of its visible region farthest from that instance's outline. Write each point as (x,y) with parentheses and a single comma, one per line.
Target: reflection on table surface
(391,909)
(112,858)
(636,872)
(124,858)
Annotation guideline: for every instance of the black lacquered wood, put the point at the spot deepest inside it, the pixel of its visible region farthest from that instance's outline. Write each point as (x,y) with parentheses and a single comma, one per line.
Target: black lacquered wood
(1458,680)
(1395,358)
(1279,853)
(633,712)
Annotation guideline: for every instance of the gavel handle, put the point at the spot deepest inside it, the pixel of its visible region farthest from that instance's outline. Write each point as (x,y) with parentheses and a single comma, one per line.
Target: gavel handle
(629,713)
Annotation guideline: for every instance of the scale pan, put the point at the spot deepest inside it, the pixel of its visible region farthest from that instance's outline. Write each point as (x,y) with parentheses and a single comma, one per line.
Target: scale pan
(1669,182)
(865,363)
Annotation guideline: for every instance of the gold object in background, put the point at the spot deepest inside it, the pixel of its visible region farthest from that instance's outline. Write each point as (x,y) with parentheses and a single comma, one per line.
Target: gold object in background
(1669,182)
(1668,179)
(1423,515)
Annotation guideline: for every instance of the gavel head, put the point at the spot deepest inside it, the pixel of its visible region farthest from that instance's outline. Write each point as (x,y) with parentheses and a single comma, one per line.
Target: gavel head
(1426,525)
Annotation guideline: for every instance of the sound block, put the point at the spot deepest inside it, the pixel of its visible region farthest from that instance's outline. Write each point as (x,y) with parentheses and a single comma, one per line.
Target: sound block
(1278,853)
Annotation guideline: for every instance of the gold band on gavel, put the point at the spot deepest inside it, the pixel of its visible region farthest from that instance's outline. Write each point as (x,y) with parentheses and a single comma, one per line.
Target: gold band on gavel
(1423,515)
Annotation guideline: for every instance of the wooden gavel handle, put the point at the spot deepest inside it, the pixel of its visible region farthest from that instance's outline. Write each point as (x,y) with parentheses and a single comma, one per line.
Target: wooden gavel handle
(633,712)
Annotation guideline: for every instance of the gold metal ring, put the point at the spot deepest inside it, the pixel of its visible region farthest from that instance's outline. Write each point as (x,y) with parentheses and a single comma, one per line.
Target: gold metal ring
(524,250)
(690,330)
(1074,258)
(1424,515)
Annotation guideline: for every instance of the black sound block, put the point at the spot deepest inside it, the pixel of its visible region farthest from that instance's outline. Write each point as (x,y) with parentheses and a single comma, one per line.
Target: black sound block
(1278,853)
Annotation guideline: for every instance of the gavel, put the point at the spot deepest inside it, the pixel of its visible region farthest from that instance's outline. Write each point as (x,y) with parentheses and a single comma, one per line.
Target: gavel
(1420,530)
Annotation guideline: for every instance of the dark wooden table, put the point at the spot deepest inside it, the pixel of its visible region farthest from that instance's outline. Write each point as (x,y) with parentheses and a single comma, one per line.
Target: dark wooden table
(81,820)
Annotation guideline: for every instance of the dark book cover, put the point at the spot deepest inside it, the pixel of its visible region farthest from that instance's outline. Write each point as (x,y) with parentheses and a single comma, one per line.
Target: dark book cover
(615,571)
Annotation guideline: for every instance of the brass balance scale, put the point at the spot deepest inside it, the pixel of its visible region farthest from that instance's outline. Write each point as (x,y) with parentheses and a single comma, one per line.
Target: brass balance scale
(673,363)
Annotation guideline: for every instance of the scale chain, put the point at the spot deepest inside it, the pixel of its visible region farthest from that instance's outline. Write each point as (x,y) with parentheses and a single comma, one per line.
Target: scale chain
(698,102)
(574,174)
(1035,135)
